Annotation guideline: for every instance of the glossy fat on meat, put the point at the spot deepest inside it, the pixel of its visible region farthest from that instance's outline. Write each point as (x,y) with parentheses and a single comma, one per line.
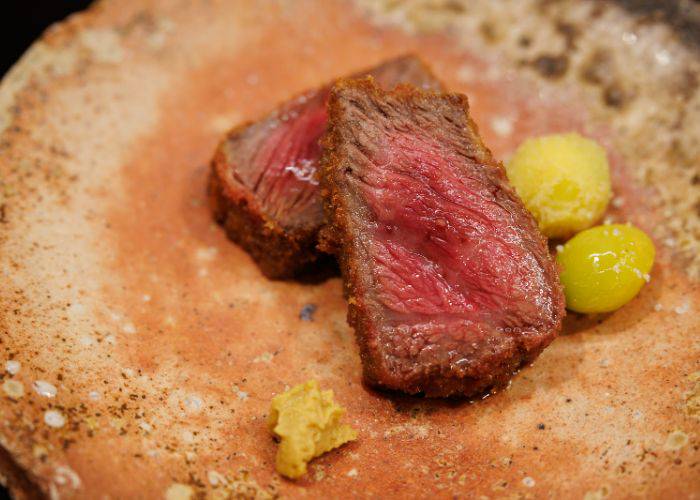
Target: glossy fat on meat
(450,284)
(263,186)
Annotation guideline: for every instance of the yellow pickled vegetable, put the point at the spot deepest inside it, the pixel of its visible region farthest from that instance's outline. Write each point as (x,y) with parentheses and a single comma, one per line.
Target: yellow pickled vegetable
(563,180)
(604,267)
(307,420)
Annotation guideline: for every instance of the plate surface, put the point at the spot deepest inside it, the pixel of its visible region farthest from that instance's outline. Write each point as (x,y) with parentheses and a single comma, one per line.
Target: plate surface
(141,348)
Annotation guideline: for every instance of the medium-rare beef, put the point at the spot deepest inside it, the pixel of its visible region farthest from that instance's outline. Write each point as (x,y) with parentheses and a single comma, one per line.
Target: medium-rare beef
(450,285)
(263,187)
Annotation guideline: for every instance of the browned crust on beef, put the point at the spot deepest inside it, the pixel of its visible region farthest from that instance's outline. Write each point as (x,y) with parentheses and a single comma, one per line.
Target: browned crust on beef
(280,253)
(443,380)
(285,252)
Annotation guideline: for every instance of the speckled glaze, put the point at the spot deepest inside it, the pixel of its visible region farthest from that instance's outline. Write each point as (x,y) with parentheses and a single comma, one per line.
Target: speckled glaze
(141,349)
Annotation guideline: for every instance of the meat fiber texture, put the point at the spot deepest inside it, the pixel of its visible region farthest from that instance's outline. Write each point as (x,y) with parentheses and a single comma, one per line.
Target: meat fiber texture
(450,285)
(263,187)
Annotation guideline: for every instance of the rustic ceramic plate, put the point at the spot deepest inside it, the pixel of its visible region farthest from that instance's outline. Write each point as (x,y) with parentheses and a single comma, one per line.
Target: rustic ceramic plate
(140,349)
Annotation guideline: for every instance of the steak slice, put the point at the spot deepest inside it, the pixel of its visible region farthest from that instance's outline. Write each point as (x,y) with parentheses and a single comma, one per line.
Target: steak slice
(263,188)
(450,285)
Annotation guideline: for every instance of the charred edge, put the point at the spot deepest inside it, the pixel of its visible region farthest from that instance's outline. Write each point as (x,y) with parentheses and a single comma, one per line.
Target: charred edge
(459,388)
(332,234)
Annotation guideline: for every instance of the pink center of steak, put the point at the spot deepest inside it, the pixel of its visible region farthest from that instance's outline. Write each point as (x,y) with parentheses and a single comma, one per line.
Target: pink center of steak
(287,160)
(445,244)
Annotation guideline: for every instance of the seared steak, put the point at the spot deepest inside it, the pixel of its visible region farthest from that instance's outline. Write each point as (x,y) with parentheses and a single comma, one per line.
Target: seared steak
(450,285)
(263,187)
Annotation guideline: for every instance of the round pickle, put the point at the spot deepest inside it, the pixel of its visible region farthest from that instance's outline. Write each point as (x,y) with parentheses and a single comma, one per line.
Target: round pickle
(563,180)
(604,267)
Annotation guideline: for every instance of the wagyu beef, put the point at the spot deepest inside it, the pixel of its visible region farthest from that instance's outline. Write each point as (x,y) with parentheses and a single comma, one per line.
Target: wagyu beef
(263,188)
(450,285)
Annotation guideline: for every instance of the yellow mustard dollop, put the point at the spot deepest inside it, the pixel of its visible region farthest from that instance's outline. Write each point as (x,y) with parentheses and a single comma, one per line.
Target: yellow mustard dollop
(307,421)
(563,180)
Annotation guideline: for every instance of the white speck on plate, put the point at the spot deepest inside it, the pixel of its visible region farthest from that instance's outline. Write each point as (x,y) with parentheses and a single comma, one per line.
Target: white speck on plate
(242,395)
(528,481)
(352,473)
(86,340)
(187,436)
(676,440)
(682,309)
(265,357)
(94,395)
(66,475)
(105,45)
(179,491)
(206,254)
(663,57)
(407,431)
(193,402)
(46,389)
(146,297)
(502,125)
(129,328)
(157,38)
(13,388)
(12,367)
(76,308)
(629,38)
(215,478)
(54,418)
(658,307)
